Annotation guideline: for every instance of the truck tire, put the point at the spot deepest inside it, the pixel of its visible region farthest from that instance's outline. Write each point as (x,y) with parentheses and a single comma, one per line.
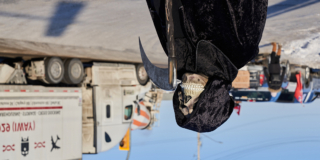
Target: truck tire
(74,71)
(142,75)
(54,70)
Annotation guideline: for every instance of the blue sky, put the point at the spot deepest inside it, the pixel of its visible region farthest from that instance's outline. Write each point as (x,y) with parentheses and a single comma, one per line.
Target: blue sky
(262,131)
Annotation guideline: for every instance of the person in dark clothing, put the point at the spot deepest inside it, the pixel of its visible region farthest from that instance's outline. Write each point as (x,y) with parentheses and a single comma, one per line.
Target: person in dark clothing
(273,74)
(213,39)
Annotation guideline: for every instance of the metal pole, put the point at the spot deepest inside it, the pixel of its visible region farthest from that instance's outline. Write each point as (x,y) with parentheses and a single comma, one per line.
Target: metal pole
(172,61)
(128,155)
(199,144)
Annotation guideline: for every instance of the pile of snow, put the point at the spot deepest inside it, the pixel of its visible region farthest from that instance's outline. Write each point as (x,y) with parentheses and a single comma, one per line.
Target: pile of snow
(304,51)
(100,30)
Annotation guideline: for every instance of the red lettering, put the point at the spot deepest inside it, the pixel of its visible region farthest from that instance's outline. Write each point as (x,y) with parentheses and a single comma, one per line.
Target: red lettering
(16,127)
(20,127)
(3,130)
(30,127)
(26,126)
(8,127)
(5,127)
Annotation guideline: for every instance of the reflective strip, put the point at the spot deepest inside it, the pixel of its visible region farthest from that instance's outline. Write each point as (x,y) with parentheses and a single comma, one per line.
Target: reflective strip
(138,123)
(29,108)
(142,113)
(141,102)
(37,90)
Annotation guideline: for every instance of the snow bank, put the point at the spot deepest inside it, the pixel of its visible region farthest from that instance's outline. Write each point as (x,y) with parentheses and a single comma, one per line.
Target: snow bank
(304,51)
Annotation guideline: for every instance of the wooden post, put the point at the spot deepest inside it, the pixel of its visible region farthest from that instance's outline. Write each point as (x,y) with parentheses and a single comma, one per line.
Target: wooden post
(199,145)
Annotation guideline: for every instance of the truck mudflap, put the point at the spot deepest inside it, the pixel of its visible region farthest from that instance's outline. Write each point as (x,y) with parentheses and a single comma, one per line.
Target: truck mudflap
(40,122)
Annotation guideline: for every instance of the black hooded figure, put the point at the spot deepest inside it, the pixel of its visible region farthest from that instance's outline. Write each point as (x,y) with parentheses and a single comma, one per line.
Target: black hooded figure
(213,38)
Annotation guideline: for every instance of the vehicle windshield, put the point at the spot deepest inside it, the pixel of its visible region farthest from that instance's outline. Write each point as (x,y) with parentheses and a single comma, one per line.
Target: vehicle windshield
(128,112)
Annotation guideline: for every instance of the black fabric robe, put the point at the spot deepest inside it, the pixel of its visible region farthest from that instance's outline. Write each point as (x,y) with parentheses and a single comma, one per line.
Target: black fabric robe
(215,38)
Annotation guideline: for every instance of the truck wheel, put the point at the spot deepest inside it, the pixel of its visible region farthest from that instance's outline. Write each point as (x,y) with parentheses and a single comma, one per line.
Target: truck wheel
(142,75)
(54,70)
(74,71)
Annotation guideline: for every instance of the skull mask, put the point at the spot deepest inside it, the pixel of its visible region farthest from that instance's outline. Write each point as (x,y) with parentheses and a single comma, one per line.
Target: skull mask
(192,86)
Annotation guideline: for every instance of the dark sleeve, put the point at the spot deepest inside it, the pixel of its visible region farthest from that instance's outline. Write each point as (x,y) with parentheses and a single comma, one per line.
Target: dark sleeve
(283,73)
(274,59)
(274,69)
(272,55)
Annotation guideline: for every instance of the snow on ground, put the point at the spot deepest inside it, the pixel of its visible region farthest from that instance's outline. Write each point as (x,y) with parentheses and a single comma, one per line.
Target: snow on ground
(305,51)
(294,23)
(96,29)
(109,29)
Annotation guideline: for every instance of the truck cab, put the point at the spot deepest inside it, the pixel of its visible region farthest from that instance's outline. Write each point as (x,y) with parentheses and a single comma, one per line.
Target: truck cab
(109,104)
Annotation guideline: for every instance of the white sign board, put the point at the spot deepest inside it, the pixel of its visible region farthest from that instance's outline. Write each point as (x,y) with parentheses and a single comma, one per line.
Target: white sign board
(40,124)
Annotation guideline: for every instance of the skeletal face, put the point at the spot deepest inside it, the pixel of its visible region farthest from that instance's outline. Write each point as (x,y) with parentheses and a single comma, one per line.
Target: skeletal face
(195,78)
(192,86)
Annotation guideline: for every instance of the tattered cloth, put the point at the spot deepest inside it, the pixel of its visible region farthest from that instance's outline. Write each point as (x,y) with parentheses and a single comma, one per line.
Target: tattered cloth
(215,38)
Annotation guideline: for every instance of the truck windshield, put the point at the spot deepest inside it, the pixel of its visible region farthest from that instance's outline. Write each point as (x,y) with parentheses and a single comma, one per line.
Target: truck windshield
(128,112)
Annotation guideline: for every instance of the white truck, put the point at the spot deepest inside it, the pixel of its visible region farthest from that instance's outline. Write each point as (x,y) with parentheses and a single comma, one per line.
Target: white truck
(59,109)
